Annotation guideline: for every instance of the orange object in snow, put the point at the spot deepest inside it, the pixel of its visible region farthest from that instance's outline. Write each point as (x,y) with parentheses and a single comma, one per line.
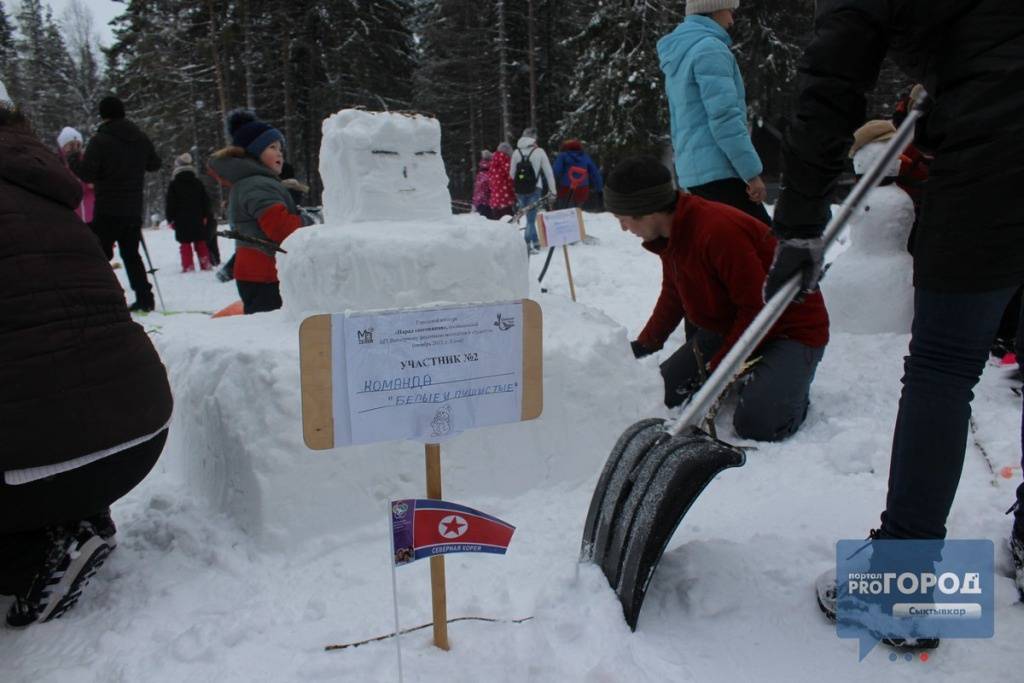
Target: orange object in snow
(231,309)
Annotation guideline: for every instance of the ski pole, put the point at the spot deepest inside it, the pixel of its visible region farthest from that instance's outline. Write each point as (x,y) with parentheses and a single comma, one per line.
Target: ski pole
(152,271)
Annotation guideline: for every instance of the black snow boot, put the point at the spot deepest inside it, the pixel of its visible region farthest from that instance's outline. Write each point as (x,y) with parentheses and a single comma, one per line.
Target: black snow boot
(1017,554)
(143,304)
(74,555)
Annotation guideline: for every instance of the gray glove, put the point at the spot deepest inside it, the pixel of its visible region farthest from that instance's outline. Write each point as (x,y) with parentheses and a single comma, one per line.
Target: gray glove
(792,256)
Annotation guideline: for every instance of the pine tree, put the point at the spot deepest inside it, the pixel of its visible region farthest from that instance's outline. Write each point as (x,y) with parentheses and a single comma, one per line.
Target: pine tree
(620,106)
(9,57)
(45,90)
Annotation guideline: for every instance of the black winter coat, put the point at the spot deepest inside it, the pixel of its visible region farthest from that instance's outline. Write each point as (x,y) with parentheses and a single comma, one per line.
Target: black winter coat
(188,208)
(116,161)
(970,56)
(77,376)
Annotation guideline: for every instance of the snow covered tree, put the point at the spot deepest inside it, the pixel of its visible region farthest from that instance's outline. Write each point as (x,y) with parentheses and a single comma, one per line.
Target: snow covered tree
(45,71)
(8,56)
(83,50)
(618,99)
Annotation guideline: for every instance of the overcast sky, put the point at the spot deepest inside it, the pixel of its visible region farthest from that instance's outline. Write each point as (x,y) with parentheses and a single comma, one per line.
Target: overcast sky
(102,11)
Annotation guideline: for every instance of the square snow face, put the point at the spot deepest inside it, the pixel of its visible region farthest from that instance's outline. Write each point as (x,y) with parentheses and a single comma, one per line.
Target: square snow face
(383,166)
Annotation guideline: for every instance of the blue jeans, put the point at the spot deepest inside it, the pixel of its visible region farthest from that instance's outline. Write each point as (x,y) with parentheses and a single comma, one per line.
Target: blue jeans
(773,397)
(531,216)
(950,340)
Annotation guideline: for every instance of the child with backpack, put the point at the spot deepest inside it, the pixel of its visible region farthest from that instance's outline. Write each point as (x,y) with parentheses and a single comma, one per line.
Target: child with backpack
(576,174)
(530,171)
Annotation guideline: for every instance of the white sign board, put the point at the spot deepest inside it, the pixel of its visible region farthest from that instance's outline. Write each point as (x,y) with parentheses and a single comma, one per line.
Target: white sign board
(562,227)
(425,374)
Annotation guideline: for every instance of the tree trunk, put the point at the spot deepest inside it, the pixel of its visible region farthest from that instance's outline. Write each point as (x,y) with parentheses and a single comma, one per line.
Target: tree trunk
(506,124)
(531,46)
(247,56)
(218,70)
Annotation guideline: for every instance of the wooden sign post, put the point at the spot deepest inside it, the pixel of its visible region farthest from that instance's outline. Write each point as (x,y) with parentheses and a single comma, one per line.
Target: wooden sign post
(562,228)
(438,589)
(411,374)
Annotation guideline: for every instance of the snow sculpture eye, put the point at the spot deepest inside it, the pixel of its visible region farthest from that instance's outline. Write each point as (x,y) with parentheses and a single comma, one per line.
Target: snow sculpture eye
(383,166)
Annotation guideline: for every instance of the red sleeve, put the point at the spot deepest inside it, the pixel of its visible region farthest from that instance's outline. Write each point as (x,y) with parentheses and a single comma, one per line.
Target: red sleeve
(668,313)
(735,260)
(277,223)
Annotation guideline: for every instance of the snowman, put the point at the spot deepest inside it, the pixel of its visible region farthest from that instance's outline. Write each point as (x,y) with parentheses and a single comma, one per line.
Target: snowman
(389,238)
(869,287)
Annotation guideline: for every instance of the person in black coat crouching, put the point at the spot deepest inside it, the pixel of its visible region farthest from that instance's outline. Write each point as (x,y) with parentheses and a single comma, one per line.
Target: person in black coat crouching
(86,402)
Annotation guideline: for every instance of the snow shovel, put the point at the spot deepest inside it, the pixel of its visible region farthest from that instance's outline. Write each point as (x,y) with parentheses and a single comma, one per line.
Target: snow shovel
(657,469)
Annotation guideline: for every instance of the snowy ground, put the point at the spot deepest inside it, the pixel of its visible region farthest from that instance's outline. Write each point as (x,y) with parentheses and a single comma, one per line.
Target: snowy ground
(189,596)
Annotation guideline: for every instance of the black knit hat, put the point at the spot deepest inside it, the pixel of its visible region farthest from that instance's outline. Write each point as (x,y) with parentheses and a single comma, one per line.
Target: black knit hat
(111,108)
(638,186)
(250,133)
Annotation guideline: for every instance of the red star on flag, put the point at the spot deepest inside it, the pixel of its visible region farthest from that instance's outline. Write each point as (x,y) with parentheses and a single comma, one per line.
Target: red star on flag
(453,526)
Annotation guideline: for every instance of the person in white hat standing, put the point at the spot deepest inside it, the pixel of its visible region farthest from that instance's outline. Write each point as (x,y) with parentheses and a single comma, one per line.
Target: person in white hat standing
(714,156)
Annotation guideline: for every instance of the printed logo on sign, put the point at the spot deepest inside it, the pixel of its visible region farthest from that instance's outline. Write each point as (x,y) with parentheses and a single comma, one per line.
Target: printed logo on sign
(399,510)
(505,323)
(365,336)
(452,526)
(914,589)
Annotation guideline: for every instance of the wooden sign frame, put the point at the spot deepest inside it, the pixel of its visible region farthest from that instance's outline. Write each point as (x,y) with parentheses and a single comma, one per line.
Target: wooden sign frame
(315,371)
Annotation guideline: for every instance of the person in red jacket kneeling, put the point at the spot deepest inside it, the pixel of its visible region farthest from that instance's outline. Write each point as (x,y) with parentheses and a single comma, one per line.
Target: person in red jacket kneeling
(260,208)
(714,259)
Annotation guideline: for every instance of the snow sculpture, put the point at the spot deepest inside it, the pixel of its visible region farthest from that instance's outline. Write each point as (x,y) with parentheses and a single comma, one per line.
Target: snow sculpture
(383,166)
(390,239)
(869,288)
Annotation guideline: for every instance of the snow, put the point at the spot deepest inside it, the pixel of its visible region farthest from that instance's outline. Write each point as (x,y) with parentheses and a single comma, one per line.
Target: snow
(230,570)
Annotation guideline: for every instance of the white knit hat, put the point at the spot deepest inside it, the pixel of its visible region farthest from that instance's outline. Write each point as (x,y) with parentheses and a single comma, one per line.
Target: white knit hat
(5,99)
(67,135)
(709,6)
(183,160)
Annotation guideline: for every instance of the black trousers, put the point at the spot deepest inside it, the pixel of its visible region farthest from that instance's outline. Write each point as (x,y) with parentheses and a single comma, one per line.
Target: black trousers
(27,510)
(127,232)
(732,191)
(258,297)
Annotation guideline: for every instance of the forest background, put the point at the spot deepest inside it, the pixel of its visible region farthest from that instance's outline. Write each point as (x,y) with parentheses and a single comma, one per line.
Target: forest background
(485,68)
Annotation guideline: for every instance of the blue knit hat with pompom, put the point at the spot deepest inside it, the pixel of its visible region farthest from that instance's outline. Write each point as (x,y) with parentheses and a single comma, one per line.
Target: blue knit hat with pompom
(250,133)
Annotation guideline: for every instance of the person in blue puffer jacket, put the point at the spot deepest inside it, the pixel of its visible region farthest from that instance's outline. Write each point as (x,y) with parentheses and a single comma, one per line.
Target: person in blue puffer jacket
(714,157)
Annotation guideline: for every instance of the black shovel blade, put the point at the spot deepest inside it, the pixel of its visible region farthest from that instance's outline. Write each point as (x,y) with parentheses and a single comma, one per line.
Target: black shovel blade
(673,475)
(615,483)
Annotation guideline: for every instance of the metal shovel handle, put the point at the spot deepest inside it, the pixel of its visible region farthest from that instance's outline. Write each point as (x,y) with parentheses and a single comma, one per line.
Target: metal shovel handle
(694,411)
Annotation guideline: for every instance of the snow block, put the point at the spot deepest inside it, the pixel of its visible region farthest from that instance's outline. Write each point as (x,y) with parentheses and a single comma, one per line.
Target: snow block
(398,264)
(236,436)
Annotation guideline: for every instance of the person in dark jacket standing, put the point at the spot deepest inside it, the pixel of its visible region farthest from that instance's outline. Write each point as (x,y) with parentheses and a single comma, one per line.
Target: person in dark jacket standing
(86,402)
(576,175)
(713,260)
(187,208)
(969,248)
(259,206)
(116,161)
